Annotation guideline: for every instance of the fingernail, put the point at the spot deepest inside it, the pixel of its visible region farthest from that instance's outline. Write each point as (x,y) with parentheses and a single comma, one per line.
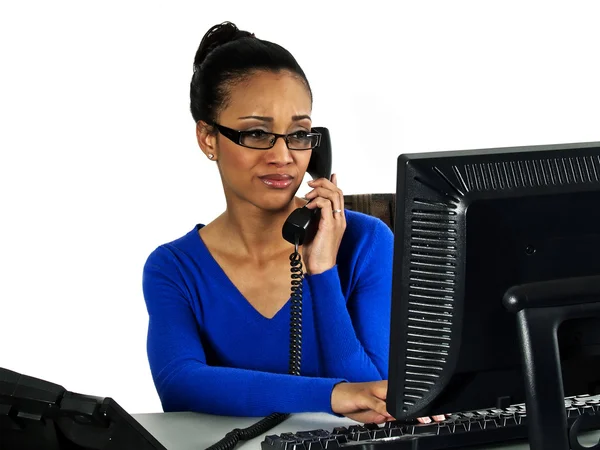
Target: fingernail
(427,420)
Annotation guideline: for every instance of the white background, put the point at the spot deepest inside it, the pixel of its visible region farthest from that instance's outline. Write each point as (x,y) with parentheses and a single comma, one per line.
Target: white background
(99,163)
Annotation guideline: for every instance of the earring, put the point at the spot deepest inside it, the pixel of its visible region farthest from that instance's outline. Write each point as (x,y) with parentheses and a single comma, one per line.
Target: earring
(211,156)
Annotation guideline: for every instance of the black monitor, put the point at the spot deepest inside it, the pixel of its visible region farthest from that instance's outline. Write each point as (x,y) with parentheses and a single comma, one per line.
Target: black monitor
(37,414)
(484,241)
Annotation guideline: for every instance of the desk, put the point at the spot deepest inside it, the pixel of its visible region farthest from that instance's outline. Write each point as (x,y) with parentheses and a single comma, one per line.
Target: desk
(192,431)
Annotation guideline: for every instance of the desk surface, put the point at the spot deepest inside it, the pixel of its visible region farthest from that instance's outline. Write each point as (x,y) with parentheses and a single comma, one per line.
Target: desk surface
(192,431)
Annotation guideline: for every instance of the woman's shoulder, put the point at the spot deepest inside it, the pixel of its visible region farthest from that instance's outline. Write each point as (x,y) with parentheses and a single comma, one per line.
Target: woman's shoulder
(363,226)
(364,236)
(177,249)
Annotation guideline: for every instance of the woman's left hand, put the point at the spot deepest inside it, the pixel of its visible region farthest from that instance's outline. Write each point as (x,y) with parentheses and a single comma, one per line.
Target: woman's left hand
(320,254)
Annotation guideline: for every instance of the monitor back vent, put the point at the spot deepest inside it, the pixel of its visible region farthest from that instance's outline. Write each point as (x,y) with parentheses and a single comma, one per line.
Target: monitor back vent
(431,292)
(528,173)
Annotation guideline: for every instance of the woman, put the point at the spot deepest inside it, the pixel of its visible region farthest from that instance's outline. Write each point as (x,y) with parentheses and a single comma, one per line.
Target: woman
(218,297)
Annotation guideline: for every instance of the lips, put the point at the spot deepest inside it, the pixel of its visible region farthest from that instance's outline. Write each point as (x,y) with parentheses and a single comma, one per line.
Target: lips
(277,180)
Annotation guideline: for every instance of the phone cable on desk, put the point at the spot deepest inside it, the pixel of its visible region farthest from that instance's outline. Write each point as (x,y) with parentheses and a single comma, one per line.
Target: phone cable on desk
(236,435)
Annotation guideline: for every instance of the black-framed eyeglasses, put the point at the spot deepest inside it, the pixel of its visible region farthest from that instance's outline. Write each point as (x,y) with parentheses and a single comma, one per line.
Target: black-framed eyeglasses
(262,140)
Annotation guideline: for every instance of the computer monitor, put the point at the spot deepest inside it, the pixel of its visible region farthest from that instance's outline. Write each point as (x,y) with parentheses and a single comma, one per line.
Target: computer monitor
(37,414)
(471,225)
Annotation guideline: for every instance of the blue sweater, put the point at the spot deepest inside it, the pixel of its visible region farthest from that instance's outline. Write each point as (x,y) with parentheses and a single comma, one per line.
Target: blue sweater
(211,351)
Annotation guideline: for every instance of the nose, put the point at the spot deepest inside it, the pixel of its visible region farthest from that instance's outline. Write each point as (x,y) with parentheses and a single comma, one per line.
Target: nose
(279,154)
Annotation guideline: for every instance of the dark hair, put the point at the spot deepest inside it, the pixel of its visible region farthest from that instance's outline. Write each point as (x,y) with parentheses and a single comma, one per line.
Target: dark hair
(226,56)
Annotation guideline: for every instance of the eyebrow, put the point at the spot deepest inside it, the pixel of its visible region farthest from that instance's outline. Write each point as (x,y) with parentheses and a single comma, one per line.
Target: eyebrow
(270,119)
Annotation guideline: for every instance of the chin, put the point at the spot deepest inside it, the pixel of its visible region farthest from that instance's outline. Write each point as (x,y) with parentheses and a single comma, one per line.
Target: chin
(274,205)
(274,202)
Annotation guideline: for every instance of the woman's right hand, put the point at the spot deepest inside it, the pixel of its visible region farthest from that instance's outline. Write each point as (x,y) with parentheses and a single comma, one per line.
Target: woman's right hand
(363,402)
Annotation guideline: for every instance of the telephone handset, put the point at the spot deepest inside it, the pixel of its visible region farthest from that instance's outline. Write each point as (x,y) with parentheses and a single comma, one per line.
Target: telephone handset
(301,224)
(298,228)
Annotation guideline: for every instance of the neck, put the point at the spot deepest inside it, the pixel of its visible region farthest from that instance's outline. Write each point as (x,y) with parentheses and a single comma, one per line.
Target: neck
(256,232)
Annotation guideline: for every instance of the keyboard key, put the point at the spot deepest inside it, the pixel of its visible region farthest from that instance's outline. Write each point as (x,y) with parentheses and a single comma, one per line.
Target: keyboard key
(380,433)
(341,438)
(358,433)
(588,409)
(275,441)
(395,432)
(489,424)
(508,419)
(444,429)
(475,425)
(330,444)
(459,426)
(314,445)
(340,430)
(304,435)
(423,428)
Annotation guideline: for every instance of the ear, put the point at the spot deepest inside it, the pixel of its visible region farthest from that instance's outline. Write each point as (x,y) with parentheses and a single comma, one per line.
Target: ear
(207,140)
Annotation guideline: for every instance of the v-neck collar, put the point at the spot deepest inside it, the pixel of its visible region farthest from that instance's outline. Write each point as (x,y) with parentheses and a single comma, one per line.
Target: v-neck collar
(223,279)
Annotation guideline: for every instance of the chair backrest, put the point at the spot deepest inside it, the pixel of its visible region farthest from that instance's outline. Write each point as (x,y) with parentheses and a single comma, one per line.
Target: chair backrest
(382,206)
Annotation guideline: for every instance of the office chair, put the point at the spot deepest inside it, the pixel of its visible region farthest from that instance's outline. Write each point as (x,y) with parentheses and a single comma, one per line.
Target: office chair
(382,206)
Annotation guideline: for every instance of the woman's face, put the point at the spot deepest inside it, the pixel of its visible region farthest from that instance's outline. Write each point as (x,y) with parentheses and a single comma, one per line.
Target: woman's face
(272,102)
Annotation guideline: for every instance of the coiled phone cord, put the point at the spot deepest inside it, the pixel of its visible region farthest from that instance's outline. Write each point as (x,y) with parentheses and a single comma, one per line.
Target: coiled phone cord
(232,438)
(296,313)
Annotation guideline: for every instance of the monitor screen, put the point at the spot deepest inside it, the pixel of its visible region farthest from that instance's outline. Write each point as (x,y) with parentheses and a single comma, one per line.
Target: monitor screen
(469,226)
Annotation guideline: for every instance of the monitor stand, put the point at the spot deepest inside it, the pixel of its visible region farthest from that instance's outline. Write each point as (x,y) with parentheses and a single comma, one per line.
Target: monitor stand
(540,309)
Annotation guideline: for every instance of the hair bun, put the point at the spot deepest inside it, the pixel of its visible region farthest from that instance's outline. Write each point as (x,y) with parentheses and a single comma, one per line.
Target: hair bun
(215,37)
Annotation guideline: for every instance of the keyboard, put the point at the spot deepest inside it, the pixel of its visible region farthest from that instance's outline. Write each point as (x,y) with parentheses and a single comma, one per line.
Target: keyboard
(457,431)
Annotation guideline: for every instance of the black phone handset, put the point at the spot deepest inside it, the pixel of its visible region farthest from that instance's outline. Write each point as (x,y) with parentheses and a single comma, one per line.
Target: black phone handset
(298,228)
(301,224)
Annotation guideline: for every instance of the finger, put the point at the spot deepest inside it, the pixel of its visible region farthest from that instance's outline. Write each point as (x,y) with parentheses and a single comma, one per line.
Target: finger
(324,192)
(326,184)
(368,416)
(424,419)
(381,419)
(439,418)
(320,202)
(377,405)
(380,390)
(334,180)
(325,206)
(332,196)
(323,182)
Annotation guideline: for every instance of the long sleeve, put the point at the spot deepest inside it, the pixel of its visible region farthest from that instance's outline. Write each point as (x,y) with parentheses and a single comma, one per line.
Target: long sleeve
(354,335)
(183,378)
